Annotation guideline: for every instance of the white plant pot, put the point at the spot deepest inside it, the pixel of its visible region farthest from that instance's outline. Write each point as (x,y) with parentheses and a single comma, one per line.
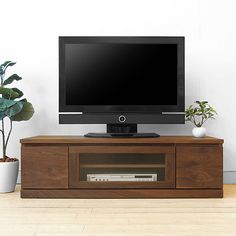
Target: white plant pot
(199,132)
(8,176)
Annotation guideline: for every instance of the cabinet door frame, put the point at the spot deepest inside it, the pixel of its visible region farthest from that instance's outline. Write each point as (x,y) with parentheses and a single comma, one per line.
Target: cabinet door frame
(74,166)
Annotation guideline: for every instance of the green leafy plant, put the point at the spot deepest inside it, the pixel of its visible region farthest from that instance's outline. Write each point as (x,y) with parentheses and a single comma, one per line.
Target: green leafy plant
(199,113)
(12,106)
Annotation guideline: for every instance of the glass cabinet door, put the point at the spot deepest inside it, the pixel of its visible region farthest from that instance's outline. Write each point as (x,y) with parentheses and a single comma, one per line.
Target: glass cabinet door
(122,167)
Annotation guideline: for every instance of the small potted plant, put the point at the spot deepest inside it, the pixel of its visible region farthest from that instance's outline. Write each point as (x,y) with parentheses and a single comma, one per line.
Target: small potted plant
(198,114)
(12,108)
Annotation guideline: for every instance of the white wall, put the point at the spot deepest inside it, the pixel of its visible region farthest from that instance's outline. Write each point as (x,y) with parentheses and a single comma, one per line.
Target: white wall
(29,35)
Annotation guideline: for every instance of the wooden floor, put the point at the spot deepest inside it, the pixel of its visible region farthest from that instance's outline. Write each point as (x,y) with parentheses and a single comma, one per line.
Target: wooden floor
(108,217)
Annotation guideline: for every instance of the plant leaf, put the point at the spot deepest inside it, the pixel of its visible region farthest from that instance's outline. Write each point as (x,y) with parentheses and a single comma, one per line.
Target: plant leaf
(4,66)
(1,70)
(15,109)
(25,114)
(20,93)
(11,79)
(8,63)
(9,93)
(199,113)
(5,104)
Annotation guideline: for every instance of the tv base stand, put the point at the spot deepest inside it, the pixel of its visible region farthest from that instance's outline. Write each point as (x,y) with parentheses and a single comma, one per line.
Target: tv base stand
(60,166)
(122,135)
(122,131)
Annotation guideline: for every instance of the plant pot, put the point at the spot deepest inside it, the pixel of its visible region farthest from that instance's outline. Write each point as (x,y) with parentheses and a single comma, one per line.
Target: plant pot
(8,176)
(199,132)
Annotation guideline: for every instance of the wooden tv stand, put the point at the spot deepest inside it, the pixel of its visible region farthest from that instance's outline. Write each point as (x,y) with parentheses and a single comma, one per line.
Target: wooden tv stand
(186,167)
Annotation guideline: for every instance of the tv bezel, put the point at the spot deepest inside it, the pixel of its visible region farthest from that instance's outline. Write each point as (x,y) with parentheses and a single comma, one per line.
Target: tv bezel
(179,107)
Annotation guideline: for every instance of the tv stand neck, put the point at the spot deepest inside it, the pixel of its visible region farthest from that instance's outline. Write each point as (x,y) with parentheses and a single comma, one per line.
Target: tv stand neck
(122,128)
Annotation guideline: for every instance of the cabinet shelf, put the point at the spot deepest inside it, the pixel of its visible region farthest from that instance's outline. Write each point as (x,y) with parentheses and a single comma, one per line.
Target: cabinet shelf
(123,166)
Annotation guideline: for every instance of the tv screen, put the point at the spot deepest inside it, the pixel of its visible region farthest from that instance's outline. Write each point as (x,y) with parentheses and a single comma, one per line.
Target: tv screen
(121,74)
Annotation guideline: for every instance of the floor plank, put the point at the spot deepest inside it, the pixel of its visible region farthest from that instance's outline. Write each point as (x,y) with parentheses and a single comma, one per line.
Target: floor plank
(123,217)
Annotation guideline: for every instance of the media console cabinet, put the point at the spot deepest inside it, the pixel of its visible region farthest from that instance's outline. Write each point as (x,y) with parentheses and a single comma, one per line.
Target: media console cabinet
(186,167)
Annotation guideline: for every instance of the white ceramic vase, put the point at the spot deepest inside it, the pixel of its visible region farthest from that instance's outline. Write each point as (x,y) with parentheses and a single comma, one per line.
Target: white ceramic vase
(8,176)
(199,132)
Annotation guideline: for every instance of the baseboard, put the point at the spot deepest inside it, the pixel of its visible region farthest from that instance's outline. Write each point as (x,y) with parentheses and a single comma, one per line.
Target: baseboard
(19,177)
(122,193)
(229,177)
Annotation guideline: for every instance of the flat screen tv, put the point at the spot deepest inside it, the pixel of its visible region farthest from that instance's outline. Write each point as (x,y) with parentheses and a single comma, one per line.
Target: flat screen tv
(121,82)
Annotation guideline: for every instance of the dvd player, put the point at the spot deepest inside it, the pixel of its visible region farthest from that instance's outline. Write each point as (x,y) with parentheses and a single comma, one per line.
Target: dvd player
(122,177)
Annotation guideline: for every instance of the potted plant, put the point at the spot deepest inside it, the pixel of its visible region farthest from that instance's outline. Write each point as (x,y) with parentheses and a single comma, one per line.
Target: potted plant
(198,114)
(12,108)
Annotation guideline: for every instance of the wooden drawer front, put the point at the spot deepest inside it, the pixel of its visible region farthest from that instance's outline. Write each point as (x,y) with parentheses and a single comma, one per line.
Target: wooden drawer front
(45,167)
(199,167)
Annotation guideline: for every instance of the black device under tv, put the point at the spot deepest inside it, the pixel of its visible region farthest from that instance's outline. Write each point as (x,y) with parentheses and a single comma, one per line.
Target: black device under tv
(121,82)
